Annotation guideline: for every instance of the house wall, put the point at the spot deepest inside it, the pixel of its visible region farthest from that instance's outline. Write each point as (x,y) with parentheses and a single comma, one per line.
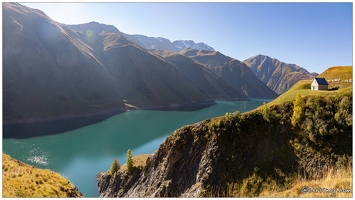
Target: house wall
(322,87)
(314,85)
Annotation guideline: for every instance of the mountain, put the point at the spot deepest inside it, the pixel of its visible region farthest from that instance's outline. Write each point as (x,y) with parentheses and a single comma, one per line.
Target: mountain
(277,75)
(54,71)
(49,72)
(235,72)
(22,180)
(184,44)
(254,154)
(210,83)
(165,44)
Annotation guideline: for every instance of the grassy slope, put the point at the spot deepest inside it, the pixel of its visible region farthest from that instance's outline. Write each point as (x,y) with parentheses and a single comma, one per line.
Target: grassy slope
(339,179)
(274,146)
(303,87)
(138,160)
(22,180)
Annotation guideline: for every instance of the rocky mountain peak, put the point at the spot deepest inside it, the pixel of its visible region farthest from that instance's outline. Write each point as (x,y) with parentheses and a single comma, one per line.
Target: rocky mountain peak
(183,44)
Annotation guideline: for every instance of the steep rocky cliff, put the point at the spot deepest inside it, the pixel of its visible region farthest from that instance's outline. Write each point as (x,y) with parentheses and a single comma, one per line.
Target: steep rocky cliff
(215,157)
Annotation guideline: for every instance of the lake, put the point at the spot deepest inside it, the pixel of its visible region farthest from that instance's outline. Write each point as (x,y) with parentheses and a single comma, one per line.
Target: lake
(80,154)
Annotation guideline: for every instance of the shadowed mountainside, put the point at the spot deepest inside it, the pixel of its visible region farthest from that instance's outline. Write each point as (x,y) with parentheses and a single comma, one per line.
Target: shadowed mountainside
(236,73)
(48,72)
(277,75)
(210,83)
(53,71)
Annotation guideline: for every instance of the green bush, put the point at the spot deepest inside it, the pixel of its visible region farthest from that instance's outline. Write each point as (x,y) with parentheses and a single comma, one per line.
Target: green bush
(298,106)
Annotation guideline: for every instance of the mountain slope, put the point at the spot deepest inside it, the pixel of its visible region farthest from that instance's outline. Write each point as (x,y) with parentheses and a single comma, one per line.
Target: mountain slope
(22,180)
(143,79)
(210,83)
(236,73)
(48,72)
(53,71)
(277,75)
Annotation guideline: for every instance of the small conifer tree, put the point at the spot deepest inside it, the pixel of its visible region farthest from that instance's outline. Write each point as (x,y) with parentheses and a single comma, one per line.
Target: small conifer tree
(129,160)
(115,166)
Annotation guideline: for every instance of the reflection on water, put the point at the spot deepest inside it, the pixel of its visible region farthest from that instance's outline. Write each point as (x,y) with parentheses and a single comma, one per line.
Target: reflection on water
(82,153)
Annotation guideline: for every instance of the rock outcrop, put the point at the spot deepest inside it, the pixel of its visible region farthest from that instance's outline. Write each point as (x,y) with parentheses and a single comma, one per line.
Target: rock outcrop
(199,160)
(217,157)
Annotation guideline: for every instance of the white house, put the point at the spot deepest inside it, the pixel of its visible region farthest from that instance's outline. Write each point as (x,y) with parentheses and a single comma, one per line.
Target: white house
(319,84)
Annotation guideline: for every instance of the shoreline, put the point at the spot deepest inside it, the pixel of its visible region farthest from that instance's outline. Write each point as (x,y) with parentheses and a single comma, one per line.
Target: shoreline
(34,127)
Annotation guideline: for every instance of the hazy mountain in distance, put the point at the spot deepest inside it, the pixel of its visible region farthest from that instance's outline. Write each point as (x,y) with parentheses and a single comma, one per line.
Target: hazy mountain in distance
(277,75)
(52,71)
(235,72)
(210,83)
(184,44)
(165,44)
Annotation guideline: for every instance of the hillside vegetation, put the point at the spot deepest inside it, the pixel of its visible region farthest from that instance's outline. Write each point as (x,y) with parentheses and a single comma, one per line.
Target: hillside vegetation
(272,152)
(337,77)
(22,180)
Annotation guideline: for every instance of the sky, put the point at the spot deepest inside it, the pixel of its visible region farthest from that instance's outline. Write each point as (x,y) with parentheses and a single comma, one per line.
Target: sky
(315,36)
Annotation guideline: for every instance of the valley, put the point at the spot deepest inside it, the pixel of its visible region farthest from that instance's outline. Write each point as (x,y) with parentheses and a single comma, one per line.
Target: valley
(79,97)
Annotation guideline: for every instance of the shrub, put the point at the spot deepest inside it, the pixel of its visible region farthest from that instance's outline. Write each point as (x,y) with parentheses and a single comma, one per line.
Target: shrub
(298,105)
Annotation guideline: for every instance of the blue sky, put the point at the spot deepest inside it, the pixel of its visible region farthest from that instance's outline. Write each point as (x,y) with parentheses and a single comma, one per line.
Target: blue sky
(315,36)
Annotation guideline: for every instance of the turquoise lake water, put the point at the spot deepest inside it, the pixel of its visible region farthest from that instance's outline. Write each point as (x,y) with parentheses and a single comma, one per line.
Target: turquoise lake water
(80,154)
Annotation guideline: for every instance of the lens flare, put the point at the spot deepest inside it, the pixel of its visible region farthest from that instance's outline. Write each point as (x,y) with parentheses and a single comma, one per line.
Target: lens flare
(91,36)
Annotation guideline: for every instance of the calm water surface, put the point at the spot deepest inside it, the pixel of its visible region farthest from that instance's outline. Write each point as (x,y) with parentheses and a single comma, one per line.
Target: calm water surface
(80,154)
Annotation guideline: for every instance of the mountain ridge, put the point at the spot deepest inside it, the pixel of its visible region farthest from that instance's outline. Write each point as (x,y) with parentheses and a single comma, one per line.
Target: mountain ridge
(83,72)
(208,81)
(235,72)
(165,44)
(277,75)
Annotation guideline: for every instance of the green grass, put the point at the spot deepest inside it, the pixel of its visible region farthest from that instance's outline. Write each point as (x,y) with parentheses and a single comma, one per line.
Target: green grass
(303,87)
(338,77)
(22,180)
(342,72)
(138,160)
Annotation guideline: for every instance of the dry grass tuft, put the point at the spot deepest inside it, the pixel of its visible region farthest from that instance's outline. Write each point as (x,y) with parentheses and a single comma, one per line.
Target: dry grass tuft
(22,180)
(337,183)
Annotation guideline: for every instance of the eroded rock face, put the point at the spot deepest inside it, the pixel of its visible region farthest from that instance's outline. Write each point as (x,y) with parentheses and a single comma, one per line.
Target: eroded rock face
(198,161)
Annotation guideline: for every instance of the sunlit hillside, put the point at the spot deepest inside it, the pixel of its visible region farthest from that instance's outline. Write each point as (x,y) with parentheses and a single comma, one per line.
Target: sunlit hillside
(339,79)
(22,180)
